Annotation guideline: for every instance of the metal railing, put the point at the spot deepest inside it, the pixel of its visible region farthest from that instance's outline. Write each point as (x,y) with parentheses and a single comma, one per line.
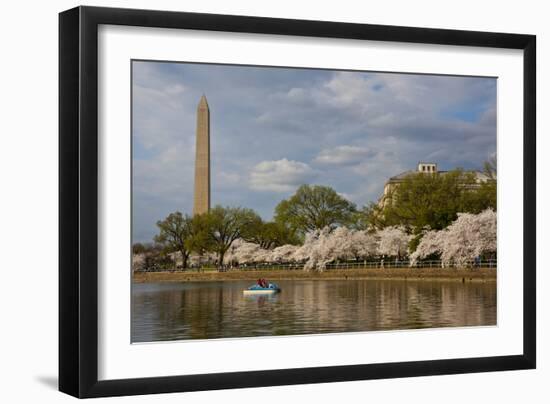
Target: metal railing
(406,264)
(377,264)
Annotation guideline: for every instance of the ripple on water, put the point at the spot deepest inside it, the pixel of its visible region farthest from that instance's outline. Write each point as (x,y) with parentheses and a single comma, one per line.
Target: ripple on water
(220,310)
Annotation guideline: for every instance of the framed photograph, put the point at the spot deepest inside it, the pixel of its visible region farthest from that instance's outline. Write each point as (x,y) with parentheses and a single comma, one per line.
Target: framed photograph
(250,201)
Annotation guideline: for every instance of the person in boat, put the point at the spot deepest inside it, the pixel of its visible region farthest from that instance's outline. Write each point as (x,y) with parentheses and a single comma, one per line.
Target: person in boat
(262,283)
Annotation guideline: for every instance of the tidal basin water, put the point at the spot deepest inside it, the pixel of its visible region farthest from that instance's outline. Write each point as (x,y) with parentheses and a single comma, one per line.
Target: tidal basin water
(203,310)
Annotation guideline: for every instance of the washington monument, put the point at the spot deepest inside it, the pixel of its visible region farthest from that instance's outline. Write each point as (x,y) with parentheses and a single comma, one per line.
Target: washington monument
(202,159)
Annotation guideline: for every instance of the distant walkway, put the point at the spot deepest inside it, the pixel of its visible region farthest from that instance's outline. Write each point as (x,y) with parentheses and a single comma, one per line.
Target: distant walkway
(447,274)
(380,264)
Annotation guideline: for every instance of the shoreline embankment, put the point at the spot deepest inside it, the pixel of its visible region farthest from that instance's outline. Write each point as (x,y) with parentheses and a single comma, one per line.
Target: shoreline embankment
(416,274)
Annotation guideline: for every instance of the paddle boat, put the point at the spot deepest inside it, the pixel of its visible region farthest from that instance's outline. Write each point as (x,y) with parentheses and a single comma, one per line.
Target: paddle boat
(267,288)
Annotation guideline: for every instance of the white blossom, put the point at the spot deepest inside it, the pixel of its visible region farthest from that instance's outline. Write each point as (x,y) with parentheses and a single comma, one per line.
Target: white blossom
(394,241)
(326,246)
(242,252)
(303,252)
(467,238)
(429,244)
(283,254)
(322,251)
(364,244)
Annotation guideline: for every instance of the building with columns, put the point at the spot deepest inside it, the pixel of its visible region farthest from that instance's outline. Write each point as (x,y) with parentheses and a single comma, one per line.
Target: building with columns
(422,168)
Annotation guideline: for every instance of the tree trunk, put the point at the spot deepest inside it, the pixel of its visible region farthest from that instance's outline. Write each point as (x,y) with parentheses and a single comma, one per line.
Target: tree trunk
(184,257)
(220,258)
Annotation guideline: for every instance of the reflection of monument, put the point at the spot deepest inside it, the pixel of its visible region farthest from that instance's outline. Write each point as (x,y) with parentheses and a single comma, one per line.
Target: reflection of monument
(202,159)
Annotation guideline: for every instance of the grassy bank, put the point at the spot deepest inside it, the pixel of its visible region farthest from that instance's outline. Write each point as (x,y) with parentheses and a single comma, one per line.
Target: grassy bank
(459,275)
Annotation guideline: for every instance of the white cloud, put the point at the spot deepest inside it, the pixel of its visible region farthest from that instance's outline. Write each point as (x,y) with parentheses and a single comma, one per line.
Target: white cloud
(344,155)
(280,175)
(347,196)
(329,120)
(346,89)
(227,181)
(169,174)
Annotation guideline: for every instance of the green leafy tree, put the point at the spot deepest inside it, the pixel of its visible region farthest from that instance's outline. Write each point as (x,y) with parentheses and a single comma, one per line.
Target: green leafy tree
(217,229)
(369,218)
(269,235)
(487,193)
(154,259)
(484,197)
(434,200)
(175,232)
(490,168)
(314,207)
(139,248)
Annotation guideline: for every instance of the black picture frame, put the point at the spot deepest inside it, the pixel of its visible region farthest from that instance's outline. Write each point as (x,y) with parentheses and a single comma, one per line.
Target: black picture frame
(78,201)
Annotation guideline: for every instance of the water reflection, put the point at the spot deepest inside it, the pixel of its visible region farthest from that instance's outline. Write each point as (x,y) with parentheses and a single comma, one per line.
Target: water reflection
(199,310)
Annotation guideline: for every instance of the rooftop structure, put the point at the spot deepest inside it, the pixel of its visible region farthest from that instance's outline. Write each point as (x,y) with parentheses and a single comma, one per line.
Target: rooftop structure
(422,168)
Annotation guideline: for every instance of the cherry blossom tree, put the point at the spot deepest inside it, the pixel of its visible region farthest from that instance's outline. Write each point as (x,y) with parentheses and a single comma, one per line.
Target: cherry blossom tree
(364,245)
(341,243)
(242,252)
(348,244)
(283,254)
(328,246)
(461,242)
(430,244)
(467,238)
(303,252)
(322,251)
(394,241)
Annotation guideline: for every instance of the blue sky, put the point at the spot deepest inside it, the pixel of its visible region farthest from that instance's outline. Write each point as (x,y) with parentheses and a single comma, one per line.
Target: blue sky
(273,129)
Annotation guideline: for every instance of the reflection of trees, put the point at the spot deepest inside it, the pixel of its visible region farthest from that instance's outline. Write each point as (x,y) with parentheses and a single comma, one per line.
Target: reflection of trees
(435,304)
(214,310)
